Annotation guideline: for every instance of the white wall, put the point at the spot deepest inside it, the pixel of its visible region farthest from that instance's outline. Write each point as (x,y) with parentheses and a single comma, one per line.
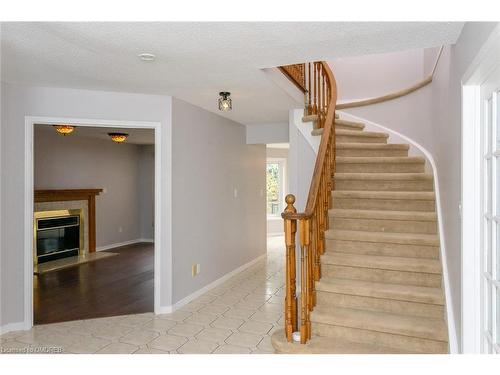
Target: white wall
(446,122)
(375,75)
(301,160)
(20,101)
(211,226)
(267,133)
(76,162)
(369,76)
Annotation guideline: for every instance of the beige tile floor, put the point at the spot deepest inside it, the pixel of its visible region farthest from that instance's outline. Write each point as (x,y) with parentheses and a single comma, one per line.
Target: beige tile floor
(237,316)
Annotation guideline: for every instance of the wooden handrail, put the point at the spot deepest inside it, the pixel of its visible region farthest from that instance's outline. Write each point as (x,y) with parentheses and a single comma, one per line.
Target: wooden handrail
(385,98)
(396,94)
(320,99)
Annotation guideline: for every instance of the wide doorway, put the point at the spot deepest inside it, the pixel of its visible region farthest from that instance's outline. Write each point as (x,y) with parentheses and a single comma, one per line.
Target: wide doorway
(93,248)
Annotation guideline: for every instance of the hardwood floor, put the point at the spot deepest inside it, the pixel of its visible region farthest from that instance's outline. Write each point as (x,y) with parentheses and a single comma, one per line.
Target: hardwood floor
(118,285)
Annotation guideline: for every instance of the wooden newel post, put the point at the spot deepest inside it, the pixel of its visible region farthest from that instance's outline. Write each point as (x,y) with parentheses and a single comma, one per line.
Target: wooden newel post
(305,282)
(291,297)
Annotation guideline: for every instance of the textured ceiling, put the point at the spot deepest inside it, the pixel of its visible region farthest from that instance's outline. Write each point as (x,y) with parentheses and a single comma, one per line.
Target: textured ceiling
(197,60)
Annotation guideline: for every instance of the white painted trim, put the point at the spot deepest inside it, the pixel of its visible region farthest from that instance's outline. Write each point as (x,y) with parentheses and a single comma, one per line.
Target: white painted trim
(471,220)
(275,234)
(485,61)
(450,313)
(206,288)
(30,121)
(124,243)
(19,326)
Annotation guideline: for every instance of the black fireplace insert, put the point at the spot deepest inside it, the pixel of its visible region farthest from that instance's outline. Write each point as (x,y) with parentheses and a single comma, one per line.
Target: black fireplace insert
(57,237)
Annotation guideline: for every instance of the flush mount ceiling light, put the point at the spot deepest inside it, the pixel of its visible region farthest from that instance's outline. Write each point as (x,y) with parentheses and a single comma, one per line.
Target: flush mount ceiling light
(64,129)
(225,102)
(147,57)
(118,137)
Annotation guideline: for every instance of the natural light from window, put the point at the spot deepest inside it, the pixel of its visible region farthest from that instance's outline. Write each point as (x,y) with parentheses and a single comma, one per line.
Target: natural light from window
(274,185)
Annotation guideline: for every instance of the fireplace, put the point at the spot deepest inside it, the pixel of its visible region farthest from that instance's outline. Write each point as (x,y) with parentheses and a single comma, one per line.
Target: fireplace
(57,234)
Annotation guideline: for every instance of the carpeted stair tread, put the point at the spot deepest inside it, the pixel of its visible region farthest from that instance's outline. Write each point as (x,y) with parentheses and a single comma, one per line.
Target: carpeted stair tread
(421,265)
(384,237)
(396,195)
(381,290)
(380,159)
(419,327)
(384,176)
(353,133)
(383,214)
(373,146)
(328,345)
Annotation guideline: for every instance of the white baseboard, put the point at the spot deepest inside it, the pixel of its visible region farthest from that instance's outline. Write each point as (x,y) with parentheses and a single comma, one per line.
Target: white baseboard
(165,310)
(206,288)
(19,326)
(276,234)
(131,242)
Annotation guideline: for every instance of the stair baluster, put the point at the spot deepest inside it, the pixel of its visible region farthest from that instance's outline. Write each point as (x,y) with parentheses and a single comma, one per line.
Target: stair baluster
(320,99)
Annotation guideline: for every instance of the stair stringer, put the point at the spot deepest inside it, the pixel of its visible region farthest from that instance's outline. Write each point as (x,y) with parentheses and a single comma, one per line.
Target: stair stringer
(418,149)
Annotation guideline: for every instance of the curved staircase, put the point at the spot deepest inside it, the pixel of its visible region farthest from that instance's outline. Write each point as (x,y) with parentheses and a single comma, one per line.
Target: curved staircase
(380,289)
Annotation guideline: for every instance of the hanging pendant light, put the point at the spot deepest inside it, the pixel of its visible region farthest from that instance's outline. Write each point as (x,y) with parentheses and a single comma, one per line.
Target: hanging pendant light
(225,102)
(118,137)
(64,129)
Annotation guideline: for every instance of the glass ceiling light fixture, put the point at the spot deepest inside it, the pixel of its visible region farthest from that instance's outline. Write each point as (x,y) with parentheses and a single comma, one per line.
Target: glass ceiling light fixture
(118,137)
(147,56)
(64,129)
(225,102)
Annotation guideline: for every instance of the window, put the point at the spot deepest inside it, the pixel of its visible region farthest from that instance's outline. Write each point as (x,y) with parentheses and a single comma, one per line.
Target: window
(275,186)
(490,275)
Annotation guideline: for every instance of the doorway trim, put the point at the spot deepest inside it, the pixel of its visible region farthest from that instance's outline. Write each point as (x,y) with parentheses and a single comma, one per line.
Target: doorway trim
(29,122)
(483,64)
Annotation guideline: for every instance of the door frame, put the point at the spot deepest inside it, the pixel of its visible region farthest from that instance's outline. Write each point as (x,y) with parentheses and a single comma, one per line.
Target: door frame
(30,122)
(482,66)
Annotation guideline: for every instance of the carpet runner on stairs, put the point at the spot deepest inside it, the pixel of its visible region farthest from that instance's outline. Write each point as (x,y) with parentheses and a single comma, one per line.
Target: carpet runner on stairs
(381,286)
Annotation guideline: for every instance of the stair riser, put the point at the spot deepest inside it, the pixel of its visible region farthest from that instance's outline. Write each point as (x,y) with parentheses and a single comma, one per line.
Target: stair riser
(384,185)
(382,276)
(384,204)
(354,152)
(425,310)
(380,338)
(382,249)
(376,225)
(380,167)
(359,139)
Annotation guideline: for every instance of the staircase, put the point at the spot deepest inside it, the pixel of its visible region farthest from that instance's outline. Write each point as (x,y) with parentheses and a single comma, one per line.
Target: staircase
(380,289)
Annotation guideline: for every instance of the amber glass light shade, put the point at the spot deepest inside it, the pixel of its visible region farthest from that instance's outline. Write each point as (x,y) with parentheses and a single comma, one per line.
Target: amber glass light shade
(64,129)
(118,137)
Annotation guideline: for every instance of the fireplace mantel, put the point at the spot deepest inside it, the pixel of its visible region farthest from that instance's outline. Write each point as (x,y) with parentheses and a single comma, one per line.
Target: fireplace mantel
(57,195)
